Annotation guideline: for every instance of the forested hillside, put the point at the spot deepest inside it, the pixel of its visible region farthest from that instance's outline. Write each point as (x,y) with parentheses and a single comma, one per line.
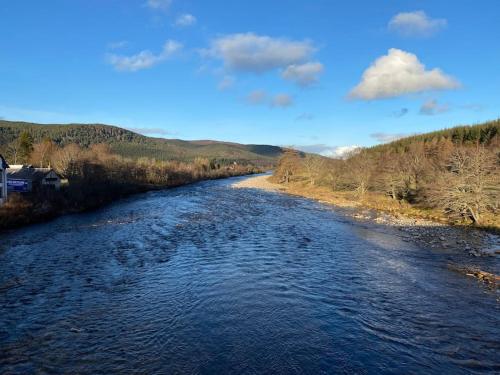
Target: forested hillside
(483,134)
(454,172)
(135,146)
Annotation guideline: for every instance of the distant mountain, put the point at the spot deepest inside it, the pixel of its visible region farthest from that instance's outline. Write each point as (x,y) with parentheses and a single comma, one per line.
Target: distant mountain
(129,144)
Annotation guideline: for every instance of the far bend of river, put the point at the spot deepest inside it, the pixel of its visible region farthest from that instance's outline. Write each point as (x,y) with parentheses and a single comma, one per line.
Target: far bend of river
(207,279)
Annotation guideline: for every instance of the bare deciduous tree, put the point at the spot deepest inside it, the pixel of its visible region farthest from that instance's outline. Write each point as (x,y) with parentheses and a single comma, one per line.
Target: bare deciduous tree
(415,165)
(391,175)
(42,153)
(312,165)
(288,164)
(64,159)
(361,171)
(468,187)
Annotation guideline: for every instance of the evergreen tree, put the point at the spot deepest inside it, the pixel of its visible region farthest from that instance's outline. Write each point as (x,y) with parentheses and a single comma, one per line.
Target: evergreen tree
(25,146)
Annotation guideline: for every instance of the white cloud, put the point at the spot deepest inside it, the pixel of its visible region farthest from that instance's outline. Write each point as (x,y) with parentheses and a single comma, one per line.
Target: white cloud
(226,83)
(185,20)
(341,152)
(257,97)
(254,53)
(416,24)
(303,74)
(399,73)
(282,101)
(432,107)
(159,4)
(144,59)
(323,149)
(388,137)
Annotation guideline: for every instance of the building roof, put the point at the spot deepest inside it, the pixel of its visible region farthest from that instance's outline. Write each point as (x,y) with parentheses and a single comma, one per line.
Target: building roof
(3,163)
(28,172)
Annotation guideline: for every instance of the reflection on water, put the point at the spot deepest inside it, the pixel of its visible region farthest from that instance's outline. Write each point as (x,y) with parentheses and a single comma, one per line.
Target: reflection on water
(209,279)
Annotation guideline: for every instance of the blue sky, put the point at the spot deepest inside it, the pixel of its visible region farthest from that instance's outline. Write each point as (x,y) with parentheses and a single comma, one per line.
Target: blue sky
(315,74)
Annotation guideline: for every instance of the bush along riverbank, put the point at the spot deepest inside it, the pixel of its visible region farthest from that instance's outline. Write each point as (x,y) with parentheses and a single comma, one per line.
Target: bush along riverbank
(95,176)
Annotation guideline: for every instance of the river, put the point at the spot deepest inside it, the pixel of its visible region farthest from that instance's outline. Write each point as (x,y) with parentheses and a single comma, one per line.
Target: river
(207,279)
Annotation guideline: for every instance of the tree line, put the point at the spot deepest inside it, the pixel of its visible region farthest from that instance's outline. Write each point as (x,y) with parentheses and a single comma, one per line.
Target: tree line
(456,171)
(95,175)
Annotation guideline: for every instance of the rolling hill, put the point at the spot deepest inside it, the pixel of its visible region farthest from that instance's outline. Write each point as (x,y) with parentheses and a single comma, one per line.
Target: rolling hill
(133,145)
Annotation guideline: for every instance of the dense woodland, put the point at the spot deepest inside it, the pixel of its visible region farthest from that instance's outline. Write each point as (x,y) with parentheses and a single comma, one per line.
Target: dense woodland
(455,171)
(131,145)
(95,175)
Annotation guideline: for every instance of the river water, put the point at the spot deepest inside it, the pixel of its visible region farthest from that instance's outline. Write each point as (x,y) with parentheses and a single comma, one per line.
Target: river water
(208,279)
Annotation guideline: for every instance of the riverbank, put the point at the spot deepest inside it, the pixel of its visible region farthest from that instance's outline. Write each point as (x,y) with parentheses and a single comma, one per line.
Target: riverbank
(408,219)
(22,210)
(436,234)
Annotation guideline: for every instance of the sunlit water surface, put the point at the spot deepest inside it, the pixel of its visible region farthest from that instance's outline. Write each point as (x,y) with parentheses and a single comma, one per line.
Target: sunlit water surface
(209,279)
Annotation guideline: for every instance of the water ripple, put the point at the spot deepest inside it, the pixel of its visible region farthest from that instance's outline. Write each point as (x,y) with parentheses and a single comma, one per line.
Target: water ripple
(209,279)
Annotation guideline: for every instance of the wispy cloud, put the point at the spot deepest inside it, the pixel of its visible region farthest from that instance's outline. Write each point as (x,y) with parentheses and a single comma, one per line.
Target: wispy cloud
(162,5)
(388,137)
(473,107)
(401,112)
(399,73)
(432,107)
(151,131)
(256,97)
(144,59)
(39,115)
(305,117)
(416,23)
(185,20)
(226,83)
(260,97)
(118,45)
(282,101)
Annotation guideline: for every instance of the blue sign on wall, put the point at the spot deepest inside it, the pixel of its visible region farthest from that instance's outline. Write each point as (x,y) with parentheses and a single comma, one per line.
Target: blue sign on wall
(20,186)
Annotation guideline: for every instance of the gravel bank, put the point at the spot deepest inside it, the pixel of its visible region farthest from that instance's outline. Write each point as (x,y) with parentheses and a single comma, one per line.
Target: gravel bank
(258,182)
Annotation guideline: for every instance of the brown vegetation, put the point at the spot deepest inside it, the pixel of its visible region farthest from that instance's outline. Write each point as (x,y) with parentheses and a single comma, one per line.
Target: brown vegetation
(430,177)
(95,175)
